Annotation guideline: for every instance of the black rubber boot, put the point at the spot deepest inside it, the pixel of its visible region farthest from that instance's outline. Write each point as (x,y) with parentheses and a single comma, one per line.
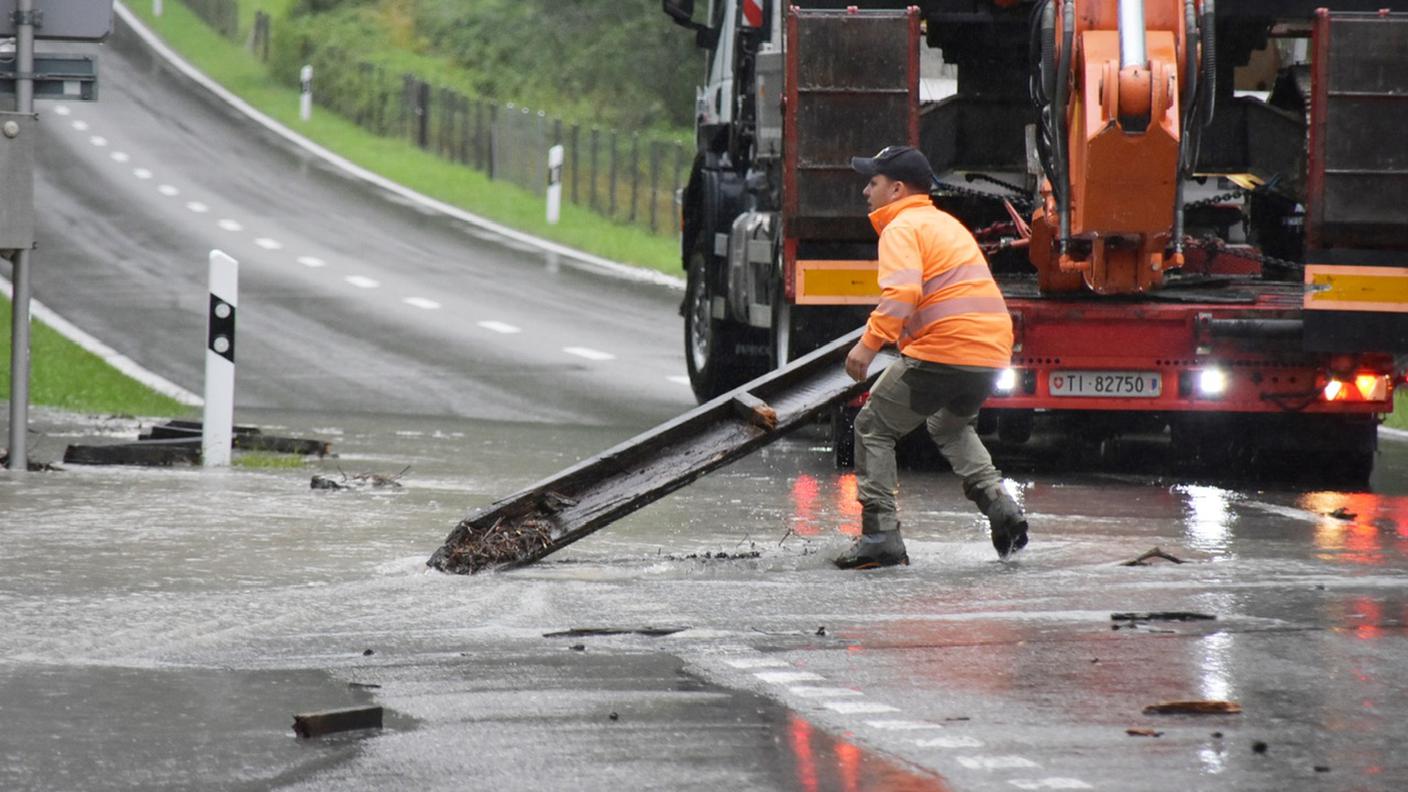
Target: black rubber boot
(1009,525)
(874,550)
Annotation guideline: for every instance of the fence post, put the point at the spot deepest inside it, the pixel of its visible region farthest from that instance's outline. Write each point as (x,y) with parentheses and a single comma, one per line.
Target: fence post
(654,181)
(635,176)
(423,114)
(612,211)
(591,199)
(576,161)
(489,143)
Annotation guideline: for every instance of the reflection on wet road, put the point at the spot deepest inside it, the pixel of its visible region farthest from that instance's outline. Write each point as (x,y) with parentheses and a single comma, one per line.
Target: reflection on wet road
(969,673)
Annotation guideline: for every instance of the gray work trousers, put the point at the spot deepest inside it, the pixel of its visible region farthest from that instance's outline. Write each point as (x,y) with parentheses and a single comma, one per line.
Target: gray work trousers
(912,392)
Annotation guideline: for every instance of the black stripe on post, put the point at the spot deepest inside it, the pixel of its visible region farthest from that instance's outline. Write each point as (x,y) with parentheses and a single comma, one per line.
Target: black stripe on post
(221,336)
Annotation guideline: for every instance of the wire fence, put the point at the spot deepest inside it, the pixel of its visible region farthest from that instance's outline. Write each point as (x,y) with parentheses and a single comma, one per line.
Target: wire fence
(628,177)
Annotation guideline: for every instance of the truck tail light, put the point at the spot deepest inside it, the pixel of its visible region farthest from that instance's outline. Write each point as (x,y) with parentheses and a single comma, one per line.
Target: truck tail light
(1363,387)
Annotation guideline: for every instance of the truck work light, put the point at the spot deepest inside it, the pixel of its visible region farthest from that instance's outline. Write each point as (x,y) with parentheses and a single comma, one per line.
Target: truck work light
(1212,382)
(1006,381)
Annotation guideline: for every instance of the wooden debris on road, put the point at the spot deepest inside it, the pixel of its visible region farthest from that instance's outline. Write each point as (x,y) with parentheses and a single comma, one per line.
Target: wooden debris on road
(316,724)
(502,542)
(1150,555)
(360,480)
(1195,707)
(1162,616)
(151,453)
(653,632)
(755,411)
(1143,732)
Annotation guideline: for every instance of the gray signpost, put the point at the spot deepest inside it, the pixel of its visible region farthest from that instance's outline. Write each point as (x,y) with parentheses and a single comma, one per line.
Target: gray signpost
(63,77)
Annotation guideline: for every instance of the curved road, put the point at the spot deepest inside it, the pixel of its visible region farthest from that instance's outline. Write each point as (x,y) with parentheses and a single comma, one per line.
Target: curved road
(351,299)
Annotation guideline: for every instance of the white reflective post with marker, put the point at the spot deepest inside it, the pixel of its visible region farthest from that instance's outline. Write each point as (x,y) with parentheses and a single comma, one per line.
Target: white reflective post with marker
(217,435)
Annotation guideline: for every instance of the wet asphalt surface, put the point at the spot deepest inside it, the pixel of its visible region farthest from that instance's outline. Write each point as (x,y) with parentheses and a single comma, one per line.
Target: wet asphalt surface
(162,626)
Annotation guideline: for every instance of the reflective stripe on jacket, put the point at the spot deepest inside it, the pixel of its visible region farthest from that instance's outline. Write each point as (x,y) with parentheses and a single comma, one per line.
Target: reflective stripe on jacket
(938,300)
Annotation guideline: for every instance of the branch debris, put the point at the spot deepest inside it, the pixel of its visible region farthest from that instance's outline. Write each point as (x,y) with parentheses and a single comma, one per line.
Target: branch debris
(472,549)
(360,480)
(1150,555)
(1197,707)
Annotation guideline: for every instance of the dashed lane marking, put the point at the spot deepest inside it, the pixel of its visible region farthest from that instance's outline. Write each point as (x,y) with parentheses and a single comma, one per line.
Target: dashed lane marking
(500,327)
(362,281)
(589,354)
(81,126)
(168,190)
(269,244)
(902,725)
(1049,783)
(859,707)
(141,173)
(996,762)
(949,742)
(809,691)
(119,156)
(230,225)
(758,662)
(787,677)
(421,302)
(98,140)
(197,207)
(62,110)
(312,261)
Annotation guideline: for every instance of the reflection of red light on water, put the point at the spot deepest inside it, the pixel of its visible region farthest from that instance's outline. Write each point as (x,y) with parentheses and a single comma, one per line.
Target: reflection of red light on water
(800,733)
(847,505)
(804,491)
(848,760)
(1370,614)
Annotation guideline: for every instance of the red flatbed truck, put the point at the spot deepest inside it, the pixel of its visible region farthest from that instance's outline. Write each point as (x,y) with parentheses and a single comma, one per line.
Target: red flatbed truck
(1274,339)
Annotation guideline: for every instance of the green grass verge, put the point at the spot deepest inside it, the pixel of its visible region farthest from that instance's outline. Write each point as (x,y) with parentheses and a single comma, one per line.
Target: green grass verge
(1398,419)
(237,70)
(64,375)
(263,460)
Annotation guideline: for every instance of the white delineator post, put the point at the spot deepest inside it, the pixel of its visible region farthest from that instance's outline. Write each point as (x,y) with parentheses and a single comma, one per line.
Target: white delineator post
(217,435)
(305,97)
(555,157)
(156,8)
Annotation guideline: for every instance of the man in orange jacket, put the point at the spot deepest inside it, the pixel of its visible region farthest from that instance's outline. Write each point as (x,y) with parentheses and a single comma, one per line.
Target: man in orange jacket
(940,305)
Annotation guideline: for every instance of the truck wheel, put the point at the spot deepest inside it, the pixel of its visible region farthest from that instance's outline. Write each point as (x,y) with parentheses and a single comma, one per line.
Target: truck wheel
(711,346)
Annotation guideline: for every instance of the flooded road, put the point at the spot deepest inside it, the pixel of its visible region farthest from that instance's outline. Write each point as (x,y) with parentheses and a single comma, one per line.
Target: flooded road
(161,628)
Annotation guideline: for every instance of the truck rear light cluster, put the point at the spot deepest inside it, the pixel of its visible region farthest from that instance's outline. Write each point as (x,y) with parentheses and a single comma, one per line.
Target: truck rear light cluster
(1361,387)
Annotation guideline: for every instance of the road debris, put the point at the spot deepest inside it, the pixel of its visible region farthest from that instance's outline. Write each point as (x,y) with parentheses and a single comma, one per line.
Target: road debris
(1342,514)
(1151,555)
(653,632)
(1137,731)
(1135,618)
(179,442)
(1259,747)
(31,466)
(1194,707)
(476,547)
(316,724)
(358,481)
(719,556)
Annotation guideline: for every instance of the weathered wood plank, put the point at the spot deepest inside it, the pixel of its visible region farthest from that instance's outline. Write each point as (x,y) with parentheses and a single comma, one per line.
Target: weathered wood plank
(316,724)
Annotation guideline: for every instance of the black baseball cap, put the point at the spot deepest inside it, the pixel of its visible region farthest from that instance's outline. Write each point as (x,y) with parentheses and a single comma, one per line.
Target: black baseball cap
(901,163)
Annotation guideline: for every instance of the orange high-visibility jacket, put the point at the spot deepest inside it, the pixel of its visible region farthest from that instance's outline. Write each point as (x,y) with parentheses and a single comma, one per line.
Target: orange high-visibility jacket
(938,300)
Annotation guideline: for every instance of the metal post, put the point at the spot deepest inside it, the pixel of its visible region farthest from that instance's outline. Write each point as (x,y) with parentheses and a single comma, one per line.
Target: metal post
(654,182)
(635,176)
(591,192)
(612,211)
(217,427)
(19,319)
(576,161)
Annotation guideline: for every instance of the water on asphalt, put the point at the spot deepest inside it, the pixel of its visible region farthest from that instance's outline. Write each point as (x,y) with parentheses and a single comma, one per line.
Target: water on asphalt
(162,626)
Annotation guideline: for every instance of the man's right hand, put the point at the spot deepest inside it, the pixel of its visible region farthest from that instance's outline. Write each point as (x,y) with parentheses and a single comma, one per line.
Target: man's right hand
(859,360)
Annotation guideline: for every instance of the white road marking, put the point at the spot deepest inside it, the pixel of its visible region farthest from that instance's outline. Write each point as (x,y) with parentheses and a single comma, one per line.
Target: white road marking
(589,354)
(996,762)
(902,725)
(312,261)
(679,379)
(168,190)
(949,742)
(98,140)
(269,244)
(197,207)
(1049,783)
(81,126)
(500,327)
(787,677)
(362,282)
(119,156)
(757,662)
(61,110)
(421,302)
(808,691)
(859,707)
(230,225)
(141,173)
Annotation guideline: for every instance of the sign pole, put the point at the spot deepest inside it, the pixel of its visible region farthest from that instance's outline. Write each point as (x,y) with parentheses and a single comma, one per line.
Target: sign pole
(217,427)
(19,320)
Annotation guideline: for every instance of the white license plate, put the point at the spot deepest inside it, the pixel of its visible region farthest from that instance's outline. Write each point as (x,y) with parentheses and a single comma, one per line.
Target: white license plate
(1119,384)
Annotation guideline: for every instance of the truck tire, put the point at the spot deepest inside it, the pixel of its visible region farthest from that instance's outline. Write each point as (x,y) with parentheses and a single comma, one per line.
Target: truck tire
(711,346)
